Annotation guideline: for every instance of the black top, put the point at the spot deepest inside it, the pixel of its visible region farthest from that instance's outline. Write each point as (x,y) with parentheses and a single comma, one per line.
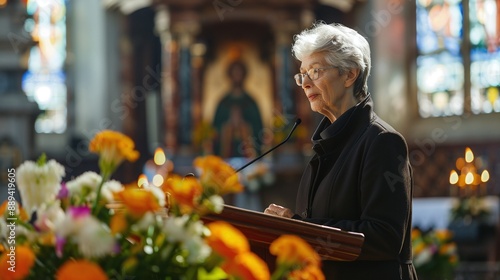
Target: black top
(360,180)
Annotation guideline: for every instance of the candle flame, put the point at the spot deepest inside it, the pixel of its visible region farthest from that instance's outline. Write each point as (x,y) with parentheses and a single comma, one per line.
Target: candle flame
(158,180)
(142,180)
(469,178)
(485,176)
(469,156)
(453,177)
(159,157)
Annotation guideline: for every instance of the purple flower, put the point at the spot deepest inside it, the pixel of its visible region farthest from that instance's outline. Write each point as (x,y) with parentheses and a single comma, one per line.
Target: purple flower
(63,192)
(79,211)
(60,242)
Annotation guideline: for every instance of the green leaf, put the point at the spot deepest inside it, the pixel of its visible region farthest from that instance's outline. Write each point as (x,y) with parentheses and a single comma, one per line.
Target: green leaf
(42,160)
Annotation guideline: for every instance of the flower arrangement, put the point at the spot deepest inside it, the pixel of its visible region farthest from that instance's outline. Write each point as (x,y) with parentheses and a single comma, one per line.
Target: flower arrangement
(93,227)
(434,253)
(469,208)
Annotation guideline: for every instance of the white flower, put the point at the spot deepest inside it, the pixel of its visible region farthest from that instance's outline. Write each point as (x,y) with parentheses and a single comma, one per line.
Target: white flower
(423,258)
(8,229)
(190,236)
(68,226)
(174,228)
(158,193)
(4,231)
(109,188)
(48,216)
(94,239)
(216,203)
(147,220)
(198,250)
(84,186)
(39,184)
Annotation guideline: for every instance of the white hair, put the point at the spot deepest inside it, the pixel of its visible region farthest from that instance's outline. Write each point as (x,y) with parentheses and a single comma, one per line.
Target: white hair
(344,48)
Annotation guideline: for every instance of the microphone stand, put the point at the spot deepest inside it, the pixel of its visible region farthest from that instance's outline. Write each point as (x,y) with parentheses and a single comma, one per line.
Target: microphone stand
(297,122)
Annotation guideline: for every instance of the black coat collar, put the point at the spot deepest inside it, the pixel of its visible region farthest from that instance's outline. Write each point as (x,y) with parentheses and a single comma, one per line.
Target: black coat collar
(337,134)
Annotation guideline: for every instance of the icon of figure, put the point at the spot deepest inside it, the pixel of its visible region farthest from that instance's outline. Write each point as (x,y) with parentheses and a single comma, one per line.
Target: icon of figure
(237,120)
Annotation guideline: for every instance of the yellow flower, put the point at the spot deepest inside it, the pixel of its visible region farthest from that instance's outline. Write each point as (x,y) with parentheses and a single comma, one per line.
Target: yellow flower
(130,264)
(47,238)
(226,240)
(24,261)
(184,192)
(310,272)
(444,234)
(217,175)
(80,270)
(418,248)
(293,250)
(113,147)
(138,201)
(248,266)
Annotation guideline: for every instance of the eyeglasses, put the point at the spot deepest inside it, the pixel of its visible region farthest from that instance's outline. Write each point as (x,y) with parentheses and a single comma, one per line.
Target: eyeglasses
(312,73)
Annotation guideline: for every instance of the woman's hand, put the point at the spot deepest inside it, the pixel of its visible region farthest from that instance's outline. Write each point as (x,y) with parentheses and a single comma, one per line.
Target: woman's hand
(277,210)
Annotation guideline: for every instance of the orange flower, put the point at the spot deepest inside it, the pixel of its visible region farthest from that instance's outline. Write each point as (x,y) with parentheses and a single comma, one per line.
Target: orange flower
(293,250)
(80,270)
(138,201)
(217,175)
(448,249)
(23,216)
(444,234)
(113,147)
(3,207)
(248,266)
(118,222)
(24,260)
(310,272)
(183,191)
(415,233)
(226,240)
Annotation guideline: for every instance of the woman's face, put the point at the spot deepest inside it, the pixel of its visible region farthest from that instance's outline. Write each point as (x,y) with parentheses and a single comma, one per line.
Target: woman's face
(330,94)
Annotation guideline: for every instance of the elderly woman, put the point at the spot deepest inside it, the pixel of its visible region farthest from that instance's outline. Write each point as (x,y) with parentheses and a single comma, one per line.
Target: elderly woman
(360,178)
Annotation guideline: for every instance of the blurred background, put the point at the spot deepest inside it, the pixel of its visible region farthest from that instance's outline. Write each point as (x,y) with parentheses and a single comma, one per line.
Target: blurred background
(160,70)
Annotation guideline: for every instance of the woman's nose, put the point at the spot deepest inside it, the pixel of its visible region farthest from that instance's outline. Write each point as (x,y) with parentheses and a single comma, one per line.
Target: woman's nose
(306,82)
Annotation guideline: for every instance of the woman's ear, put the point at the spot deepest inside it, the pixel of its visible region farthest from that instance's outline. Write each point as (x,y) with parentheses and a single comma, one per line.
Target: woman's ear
(351,76)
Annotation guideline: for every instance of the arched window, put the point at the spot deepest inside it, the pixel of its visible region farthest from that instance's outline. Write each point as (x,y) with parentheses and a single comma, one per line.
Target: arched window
(458,60)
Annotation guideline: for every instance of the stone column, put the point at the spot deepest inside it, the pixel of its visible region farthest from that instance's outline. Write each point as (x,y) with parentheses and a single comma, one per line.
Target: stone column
(186,31)
(284,71)
(169,52)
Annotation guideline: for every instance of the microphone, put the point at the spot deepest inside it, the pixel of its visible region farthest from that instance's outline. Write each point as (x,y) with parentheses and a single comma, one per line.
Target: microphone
(297,122)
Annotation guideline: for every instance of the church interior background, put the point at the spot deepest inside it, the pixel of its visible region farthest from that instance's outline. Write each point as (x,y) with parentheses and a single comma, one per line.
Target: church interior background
(157,70)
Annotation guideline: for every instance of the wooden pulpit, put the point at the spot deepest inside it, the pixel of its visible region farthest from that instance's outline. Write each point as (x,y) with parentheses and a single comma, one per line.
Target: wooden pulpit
(262,229)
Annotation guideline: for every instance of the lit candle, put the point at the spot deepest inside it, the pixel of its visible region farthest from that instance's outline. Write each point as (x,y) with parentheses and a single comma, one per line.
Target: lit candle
(469,156)
(485,176)
(156,166)
(453,181)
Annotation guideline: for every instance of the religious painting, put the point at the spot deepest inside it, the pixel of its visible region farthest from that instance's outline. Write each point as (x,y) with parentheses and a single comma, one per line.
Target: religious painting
(237,100)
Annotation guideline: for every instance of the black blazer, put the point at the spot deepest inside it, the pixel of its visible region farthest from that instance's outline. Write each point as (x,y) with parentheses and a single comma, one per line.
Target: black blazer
(360,180)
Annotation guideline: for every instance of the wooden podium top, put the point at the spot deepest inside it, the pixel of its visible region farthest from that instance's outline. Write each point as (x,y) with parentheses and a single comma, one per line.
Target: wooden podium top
(330,243)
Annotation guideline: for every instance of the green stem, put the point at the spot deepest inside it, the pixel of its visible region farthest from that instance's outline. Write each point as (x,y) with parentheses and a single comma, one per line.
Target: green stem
(280,272)
(96,207)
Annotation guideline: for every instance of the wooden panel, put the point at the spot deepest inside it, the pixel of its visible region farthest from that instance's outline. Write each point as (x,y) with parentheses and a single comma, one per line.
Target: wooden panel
(330,243)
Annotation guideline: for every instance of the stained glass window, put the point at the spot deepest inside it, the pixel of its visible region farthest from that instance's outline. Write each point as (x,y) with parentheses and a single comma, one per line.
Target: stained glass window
(440,70)
(45,80)
(441,59)
(485,55)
